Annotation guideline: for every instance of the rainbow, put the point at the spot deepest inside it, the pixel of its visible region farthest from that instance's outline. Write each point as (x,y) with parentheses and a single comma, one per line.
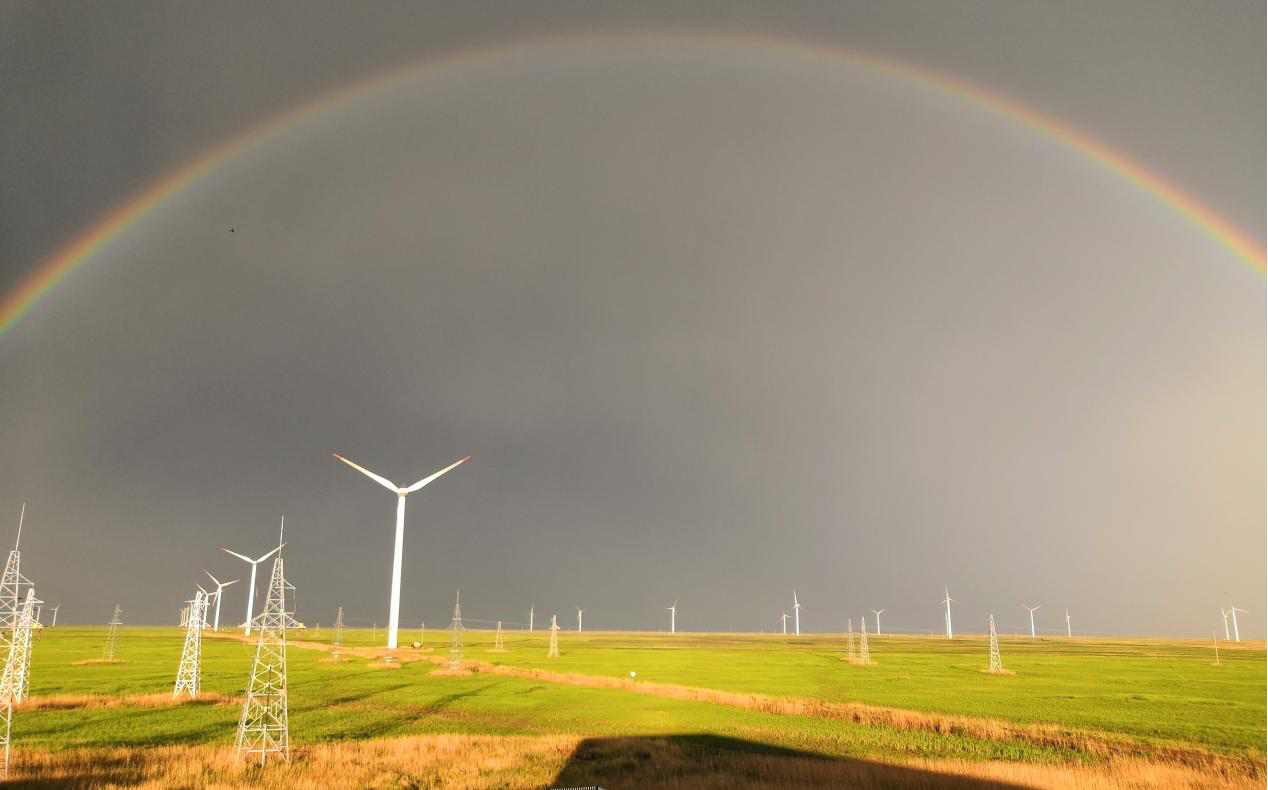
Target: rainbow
(1233,239)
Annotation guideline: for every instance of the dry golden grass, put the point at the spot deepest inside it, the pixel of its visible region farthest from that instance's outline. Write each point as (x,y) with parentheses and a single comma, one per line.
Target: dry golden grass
(453,762)
(81,701)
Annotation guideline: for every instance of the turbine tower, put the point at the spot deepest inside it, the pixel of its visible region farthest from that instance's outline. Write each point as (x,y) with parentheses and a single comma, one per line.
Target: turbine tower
(254,564)
(115,622)
(877,612)
(553,652)
(394,603)
(220,586)
(1224,614)
(673,617)
(948,600)
(783,619)
(1233,610)
(530,619)
(264,726)
(1032,609)
(1068,633)
(580,612)
(796,614)
(189,673)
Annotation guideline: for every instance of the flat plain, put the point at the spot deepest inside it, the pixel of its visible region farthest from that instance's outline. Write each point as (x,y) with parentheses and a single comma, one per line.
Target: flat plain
(701,710)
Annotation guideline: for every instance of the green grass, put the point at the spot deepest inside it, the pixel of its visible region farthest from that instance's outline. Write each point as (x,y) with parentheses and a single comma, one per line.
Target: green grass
(1148,690)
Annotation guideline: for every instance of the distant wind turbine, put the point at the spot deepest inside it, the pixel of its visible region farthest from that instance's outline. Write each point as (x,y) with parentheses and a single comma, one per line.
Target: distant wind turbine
(580,612)
(877,612)
(254,564)
(1032,609)
(394,604)
(673,617)
(1224,614)
(1233,610)
(1069,634)
(783,618)
(220,586)
(948,600)
(796,613)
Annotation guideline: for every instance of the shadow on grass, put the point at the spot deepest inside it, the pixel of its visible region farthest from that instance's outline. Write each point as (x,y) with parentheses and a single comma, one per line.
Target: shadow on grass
(714,762)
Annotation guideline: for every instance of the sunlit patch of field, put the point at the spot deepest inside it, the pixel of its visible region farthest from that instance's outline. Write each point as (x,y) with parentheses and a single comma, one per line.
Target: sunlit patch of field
(767,711)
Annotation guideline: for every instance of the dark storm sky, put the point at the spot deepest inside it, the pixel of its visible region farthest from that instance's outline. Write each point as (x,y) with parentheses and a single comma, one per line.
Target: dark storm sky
(715,323)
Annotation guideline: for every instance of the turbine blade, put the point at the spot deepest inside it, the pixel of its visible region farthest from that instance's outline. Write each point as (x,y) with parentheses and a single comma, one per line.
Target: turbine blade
(239,556)
(427,480)
(383,481)
(271,553)
(226,584)
(213,578)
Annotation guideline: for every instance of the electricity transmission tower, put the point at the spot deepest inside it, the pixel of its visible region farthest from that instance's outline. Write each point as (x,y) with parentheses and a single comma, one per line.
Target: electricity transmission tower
(455,635)
(553,652)
(865,654)
(338,643)
(115,622)
(17,670)
(997,665)
(54,623)
(498,647)
(189,674)
(849,642)
(1216,642)
(263,728)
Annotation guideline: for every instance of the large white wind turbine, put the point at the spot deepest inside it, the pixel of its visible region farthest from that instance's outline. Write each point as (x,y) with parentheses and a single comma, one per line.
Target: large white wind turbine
(1069,634)
(1224,614)
(673,617)
(220,586)
(580,612)
(796,614)
(254,564)
(394,604)
(948,600)
(877,612)
(1032,609)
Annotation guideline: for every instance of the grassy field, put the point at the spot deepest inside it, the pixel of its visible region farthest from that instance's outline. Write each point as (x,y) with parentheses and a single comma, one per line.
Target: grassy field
(1165,697)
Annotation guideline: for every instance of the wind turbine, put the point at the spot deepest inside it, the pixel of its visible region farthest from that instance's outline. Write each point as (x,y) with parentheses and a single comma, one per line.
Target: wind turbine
(220,586)
(254,564)
(1032,609)
(530,618)
(1068,633)
(580,611)
(796,614)
(1233,610)
(1224,614)
(783,618)
(877,612)
(948,600)
(673,617)
(394,605)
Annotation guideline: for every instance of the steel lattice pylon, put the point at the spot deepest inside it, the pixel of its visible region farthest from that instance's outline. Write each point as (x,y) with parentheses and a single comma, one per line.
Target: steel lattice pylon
(17,672)
(263,728)
(849,642)
(455,636)
(553,652)
(498,647)
(115,622)
(865,653)
(189,674)
(997,664)
(338,643)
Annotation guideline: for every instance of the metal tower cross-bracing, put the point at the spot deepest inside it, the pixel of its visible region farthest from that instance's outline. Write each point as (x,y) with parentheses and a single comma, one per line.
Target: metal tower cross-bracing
(113,633)
(189,673)
(997,665)
(865,654)
(498,647)
(338,643)
(455,636)
(17,672)
(553,652)
(849,641)
(263,728)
